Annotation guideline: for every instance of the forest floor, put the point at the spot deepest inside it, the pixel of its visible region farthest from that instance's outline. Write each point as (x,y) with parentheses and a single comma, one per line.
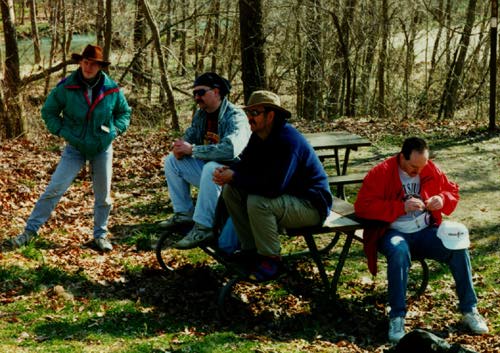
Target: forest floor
(60,294)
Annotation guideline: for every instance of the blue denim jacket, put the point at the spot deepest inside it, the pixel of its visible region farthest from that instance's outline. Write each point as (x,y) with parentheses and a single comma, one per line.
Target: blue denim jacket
(233,130)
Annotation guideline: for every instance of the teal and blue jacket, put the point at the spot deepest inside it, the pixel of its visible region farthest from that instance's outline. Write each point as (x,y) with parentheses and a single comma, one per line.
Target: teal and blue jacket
(89,125)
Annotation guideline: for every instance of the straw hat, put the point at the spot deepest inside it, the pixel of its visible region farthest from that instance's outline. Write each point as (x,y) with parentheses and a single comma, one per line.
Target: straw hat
(267,99)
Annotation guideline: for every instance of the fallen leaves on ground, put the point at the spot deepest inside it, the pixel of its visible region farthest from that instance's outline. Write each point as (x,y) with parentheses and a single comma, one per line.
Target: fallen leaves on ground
(357,324)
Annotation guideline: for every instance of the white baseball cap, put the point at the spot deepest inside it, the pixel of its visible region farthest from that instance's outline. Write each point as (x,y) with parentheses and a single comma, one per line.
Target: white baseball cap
(454,235)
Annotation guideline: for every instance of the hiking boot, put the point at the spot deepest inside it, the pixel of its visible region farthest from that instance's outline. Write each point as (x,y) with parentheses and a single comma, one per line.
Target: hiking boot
(177,220)
(475,322)
(396,329)
(22,239)
(103,244)
(196,236)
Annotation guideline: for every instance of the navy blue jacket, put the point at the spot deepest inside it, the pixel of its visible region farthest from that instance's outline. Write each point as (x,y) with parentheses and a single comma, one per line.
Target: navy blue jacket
(284,163)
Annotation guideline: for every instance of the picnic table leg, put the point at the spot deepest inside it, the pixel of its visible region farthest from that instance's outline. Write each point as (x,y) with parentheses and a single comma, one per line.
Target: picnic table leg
(346,160)
(311,244)
(337,161)
(340,264)
(223,293)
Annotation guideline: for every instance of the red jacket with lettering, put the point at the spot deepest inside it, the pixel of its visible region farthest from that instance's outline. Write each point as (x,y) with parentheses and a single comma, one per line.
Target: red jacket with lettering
(380,199)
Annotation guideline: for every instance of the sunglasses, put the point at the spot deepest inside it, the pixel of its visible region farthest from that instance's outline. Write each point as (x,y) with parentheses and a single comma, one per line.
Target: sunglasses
(201,92)
(254,112)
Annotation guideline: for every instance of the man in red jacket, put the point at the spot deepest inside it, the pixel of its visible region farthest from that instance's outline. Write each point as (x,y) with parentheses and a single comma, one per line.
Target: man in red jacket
(408,194)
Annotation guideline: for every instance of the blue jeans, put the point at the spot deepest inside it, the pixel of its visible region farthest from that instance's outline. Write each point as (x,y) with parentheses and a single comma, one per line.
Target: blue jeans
(397,247)
(180,175)
(68,168)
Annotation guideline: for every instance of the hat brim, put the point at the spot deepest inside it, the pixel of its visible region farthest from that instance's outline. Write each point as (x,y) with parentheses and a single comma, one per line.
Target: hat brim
(287,114)
(77,57)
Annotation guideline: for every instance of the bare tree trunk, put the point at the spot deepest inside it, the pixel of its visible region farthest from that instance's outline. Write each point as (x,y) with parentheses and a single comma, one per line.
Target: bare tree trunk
(449,32)
(312,70)
(183,31)
(11,117)
(63,32)
(493,64)
(139,64)
(108,32)
(368,57)
(253,60)
(54,20)
(22,5)
(454,78)
(34,32)
(99,23)
(423,104)
(410,34)
(299,71)
(216,38)
(161,63)
(348,18)
(207,39)
(382,111)
(71,26)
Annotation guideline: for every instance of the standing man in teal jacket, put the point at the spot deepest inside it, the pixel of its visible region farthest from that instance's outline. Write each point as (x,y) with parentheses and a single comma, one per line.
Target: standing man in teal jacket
(89,111)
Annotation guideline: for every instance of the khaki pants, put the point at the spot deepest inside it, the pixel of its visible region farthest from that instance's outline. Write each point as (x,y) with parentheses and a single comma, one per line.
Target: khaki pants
(258,219)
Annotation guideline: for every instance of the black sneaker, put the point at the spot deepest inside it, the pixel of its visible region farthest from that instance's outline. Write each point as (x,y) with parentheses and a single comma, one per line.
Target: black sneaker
(177,220)
(22,239)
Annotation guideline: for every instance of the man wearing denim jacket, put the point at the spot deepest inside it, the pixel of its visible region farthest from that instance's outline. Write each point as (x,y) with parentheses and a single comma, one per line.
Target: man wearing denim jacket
(218,133)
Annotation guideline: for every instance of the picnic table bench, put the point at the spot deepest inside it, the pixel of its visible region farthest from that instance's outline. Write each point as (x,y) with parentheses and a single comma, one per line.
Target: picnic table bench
(341,223)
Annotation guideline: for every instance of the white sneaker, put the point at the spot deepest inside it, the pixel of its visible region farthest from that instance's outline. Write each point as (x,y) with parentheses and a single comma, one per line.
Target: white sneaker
(396,329)
(475,322)
(103,244)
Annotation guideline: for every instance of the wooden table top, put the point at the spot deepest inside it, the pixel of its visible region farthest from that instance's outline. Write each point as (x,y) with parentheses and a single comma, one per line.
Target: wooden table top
(336,139)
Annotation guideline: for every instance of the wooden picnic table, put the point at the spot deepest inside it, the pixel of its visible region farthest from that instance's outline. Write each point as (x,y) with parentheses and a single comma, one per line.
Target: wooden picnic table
(328,145)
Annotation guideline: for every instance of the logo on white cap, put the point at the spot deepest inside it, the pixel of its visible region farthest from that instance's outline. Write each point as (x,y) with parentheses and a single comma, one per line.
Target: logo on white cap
(454,235)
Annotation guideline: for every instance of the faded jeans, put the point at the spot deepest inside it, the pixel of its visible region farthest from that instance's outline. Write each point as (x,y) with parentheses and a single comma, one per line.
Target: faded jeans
(397,246)
(67,170)
(258,219)
(180,175)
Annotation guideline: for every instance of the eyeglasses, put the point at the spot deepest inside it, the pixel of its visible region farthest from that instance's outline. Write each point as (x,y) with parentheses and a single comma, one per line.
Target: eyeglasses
(201,92)
(254,112)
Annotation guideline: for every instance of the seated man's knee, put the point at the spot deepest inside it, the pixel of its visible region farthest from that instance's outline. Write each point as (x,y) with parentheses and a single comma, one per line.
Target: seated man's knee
(397,249)
(209,168)
(257,203)
(170,161)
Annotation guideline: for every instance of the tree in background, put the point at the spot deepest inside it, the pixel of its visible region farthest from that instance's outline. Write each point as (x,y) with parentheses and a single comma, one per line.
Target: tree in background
(11,115)
(312,62)
(253,59)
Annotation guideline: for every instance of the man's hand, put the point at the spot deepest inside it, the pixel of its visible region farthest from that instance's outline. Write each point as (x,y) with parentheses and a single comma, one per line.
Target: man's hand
(414,204)
(222,175)
(434,203)
(181,148)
